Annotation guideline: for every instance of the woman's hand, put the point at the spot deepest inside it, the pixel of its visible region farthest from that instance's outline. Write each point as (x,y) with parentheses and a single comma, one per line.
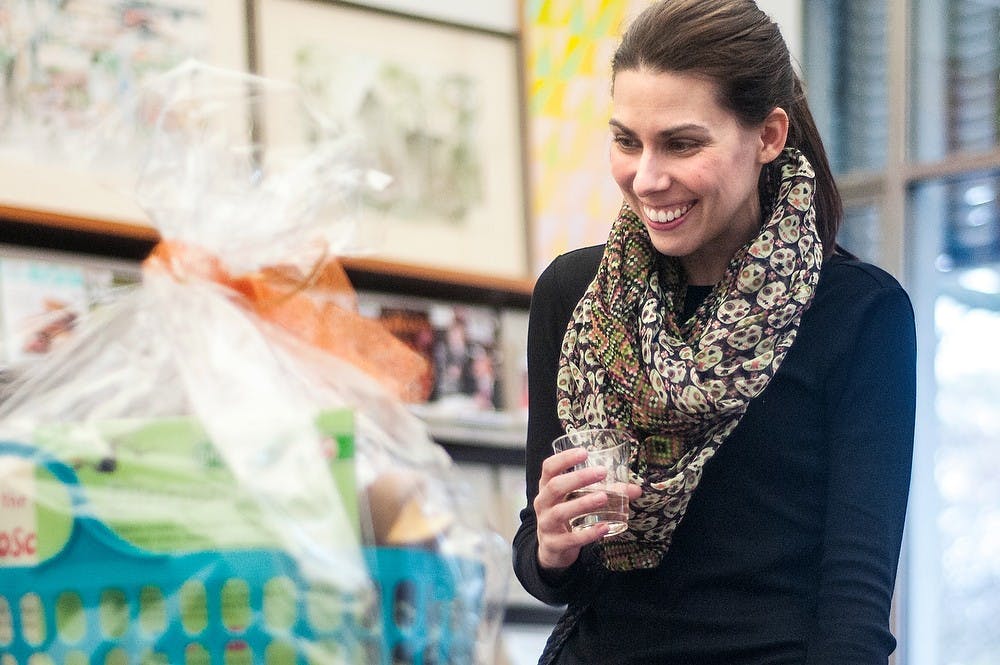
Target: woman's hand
(558,545)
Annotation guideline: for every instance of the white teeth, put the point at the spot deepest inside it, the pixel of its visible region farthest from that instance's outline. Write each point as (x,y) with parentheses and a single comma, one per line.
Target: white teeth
(663,216)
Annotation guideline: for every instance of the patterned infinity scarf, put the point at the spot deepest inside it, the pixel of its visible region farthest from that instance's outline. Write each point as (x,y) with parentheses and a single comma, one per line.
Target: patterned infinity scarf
(682,386)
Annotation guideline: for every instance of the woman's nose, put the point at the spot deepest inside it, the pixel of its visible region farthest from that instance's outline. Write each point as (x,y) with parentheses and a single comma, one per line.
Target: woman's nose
(650,175)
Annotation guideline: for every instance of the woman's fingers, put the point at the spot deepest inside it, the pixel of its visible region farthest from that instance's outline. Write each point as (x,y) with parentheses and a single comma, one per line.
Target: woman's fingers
(559,487)
(556,465)
(558,545)
(556,518)
(557,480)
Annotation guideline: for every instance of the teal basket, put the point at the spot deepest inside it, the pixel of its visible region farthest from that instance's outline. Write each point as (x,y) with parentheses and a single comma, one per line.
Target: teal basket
(103,601)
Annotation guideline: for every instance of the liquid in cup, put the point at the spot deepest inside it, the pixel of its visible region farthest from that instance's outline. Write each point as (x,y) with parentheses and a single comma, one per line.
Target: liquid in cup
(613,450)
(614,513)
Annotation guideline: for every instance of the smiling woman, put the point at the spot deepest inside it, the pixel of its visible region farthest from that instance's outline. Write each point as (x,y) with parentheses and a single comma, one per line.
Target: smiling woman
(689,168)
(767,375)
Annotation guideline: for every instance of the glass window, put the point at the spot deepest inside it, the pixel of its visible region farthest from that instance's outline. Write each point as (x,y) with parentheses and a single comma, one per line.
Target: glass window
(972,221)
(956,77)
(953,551)
(860,232)
(846,76)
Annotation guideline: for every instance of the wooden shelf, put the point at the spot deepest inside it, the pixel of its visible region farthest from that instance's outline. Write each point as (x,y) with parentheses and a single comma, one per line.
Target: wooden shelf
(58,221)
(62,232)
(382,275)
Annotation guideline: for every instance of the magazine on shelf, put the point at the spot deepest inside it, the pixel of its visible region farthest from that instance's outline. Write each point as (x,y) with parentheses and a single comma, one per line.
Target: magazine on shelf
(44,296)
(461,342)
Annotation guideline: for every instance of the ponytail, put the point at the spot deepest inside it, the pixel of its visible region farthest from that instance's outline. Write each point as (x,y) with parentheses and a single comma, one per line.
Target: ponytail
(804,135)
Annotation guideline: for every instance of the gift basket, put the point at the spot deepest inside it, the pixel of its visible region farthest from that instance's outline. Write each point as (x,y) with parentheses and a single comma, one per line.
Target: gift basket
(221,466)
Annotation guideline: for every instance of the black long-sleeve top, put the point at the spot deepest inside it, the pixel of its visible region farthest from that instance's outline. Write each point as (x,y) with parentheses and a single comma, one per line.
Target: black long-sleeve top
(789,548)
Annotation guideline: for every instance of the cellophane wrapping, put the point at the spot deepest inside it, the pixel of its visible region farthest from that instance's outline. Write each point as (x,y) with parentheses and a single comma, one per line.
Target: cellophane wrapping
(234,410)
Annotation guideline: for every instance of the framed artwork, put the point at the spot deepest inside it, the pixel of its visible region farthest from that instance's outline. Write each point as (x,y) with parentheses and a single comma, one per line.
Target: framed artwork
(495,15)
(84,60)
(568,75)
(437,109)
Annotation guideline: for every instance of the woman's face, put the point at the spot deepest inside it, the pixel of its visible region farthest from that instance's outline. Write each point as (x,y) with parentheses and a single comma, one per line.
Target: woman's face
(688,167)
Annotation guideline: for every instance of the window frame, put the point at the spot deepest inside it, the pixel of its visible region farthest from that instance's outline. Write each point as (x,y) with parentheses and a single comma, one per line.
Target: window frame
(909,253)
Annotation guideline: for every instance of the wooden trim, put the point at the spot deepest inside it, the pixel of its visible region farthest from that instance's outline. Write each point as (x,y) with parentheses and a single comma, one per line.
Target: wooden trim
(957,165)
(372,274)
(861,185)
(894,209)
(69,222)
(431,274)
(62,232)
(423,18)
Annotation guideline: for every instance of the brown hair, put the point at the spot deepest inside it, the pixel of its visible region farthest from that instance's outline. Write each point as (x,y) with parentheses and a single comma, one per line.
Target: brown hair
(738,47)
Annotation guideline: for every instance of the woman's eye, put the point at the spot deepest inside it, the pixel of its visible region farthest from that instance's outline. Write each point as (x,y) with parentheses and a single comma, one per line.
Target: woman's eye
(623,141)
(683,146)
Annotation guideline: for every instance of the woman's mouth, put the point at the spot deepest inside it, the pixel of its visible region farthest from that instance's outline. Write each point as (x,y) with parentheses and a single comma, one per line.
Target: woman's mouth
(666,217)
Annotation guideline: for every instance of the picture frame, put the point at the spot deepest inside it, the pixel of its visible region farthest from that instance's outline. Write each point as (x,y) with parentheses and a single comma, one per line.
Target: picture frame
(437,107)
(86,61)
(567,59)
(493,15)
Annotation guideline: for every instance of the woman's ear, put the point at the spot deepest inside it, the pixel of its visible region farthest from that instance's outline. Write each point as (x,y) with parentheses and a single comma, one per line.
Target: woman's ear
(773,134)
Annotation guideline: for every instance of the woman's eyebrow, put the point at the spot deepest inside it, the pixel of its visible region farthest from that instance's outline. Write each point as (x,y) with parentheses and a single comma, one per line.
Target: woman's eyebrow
(664,133)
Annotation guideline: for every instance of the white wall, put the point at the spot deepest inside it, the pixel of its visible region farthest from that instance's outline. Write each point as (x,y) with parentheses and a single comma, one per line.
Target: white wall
(788,15)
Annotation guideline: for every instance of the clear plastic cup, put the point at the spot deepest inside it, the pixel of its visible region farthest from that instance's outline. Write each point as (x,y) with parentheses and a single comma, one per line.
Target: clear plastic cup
(611,449)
